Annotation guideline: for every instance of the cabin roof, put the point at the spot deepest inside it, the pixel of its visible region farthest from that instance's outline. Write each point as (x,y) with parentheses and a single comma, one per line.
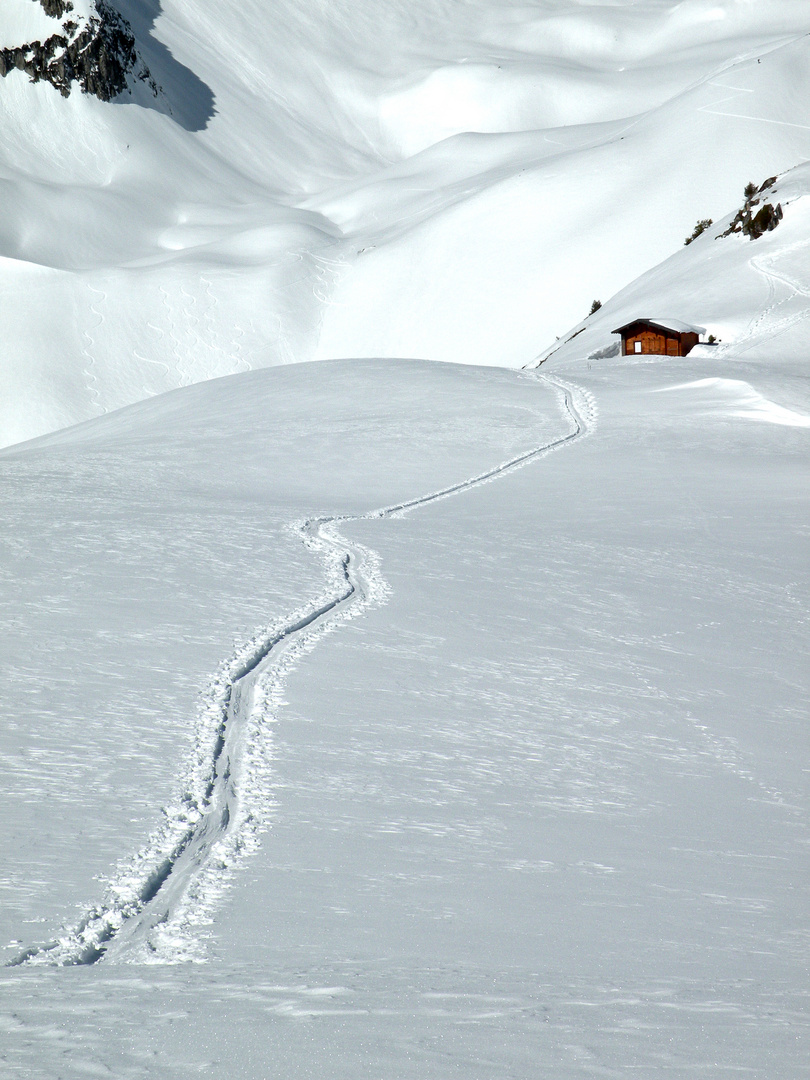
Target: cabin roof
(673,325)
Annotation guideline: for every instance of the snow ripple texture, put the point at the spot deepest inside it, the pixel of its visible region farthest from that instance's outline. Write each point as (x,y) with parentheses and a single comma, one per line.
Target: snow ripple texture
(158,903)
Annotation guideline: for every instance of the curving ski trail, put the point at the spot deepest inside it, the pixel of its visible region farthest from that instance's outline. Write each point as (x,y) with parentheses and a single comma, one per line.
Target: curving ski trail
(92,382)
(239,356)
(157,903)
(776,323)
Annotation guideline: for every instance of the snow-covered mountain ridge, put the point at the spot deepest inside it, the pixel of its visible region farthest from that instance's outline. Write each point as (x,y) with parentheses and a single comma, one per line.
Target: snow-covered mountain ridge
(450,181)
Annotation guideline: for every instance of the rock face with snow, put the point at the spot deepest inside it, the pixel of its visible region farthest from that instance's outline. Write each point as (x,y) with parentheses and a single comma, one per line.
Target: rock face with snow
(751,222)
(95,52)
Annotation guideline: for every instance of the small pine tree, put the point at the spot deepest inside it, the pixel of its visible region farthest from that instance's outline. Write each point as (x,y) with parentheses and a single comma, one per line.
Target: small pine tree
(750,190)
(701,227)
(595,307)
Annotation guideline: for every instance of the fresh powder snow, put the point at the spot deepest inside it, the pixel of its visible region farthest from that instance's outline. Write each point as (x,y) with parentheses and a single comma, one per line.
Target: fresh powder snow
(385,717)
(542,806)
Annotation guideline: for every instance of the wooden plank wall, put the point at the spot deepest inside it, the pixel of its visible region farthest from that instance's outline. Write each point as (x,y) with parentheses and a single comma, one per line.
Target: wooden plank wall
(657,344)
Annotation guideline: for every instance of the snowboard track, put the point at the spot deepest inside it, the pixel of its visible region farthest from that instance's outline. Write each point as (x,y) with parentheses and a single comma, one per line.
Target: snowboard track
(157,902)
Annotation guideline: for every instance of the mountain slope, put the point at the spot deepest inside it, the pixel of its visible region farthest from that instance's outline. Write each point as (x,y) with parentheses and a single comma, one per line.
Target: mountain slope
(751,294)
(442,180)
(543,804)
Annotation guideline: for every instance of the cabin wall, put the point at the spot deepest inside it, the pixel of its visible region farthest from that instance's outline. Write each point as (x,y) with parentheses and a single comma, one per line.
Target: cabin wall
(657,343)
(688,342)
(652,343)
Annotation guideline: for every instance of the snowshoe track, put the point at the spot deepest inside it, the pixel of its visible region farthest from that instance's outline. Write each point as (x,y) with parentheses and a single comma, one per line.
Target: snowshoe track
(158,902)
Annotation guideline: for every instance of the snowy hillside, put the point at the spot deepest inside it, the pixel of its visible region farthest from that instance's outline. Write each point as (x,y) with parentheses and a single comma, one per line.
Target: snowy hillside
(752,295)
(543,807)
(432,179)
(383,717)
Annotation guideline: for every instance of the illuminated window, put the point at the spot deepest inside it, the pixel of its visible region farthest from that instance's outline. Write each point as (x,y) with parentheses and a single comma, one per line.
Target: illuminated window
(637,346)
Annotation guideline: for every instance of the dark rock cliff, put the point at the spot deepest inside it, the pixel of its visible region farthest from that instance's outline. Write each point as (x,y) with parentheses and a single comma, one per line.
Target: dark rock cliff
(56,8)
(97,53)
(751,224)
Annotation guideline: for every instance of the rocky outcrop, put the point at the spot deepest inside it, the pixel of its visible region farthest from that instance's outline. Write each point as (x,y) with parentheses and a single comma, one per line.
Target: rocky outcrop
(765,220)
(96,54)
(56,8)
(751,224)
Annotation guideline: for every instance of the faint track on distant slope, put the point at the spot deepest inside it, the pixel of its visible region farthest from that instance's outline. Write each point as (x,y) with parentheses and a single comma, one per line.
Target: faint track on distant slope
(92,382)
(764,265)
(156,903)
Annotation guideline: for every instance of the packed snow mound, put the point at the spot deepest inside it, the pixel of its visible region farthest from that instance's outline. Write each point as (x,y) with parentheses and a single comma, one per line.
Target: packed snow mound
(735,397)
(434,179)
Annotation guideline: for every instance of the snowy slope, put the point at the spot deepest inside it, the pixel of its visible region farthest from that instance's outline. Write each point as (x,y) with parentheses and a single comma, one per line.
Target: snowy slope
(146,548)
(751,295)
(542,807)
(385,717)
(430,179)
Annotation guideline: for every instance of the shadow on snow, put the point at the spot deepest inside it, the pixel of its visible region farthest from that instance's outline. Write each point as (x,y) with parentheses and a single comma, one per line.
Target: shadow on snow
(190,101)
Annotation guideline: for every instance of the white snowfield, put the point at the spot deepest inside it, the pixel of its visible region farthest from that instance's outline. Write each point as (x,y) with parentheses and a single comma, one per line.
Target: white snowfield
(542,808)
(391,718)
(453,181)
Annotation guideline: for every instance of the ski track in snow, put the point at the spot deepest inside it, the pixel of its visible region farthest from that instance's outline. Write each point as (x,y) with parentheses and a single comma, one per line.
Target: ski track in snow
(797,288)
(735,95)
(239,356)
(232,355)
(328,273)
(92,378)
(173,337)
(158,902)
(189,305)
(764,265)
(147,392)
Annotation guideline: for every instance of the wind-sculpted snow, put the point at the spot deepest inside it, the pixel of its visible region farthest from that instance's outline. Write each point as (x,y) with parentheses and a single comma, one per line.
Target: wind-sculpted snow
(157,902)
(431,179)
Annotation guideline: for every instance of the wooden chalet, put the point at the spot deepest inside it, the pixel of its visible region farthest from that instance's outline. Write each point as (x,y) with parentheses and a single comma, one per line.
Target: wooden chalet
(654,337)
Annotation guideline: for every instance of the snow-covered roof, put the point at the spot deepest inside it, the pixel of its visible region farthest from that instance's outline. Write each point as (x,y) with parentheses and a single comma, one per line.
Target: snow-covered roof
(665,324)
